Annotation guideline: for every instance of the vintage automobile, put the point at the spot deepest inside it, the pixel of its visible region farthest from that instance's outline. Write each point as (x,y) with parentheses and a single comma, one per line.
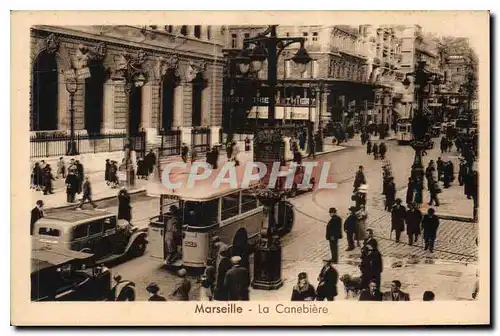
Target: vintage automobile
(90,231)
(64,275)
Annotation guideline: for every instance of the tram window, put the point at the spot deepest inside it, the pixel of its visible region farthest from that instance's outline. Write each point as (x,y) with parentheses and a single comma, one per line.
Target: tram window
(201,213)
(248,201)
(230,205)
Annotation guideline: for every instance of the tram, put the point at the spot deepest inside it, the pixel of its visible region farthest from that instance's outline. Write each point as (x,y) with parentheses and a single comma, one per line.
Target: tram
(234,214)
(403,129)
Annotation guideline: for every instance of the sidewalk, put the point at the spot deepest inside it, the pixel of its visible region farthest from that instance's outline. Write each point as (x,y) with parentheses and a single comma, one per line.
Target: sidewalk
(448,280)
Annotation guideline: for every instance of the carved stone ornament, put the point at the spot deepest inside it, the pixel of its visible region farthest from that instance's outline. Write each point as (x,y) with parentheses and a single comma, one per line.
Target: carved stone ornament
(51,44)
(163,64)
(195,68)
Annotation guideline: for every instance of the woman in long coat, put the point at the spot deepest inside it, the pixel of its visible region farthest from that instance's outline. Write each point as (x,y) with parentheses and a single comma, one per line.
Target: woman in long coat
(124,209)
(361,216)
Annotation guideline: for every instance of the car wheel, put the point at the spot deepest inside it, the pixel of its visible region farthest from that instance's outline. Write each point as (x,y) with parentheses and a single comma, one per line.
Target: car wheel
(138,248)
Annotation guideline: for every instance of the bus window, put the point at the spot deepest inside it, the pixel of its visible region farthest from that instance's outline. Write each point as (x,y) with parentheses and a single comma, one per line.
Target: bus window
(201,213)
(230,205)
(248,201)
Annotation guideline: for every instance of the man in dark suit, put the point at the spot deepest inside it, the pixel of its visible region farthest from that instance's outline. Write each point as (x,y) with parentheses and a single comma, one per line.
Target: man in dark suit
(237,281)
(430,224)
(350,226)
(371,293)
(36,214)
(327,282)
(398,215)
(87,194)
(334,233)
(413,220)
(359,179)
(395,294)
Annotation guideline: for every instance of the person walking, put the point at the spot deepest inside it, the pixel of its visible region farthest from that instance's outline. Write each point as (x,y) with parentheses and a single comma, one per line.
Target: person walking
(182,287)
(223,266)
(237,281)
(153,289)
(390,193)
(334,233)
(371,266)
(434,190)
(61,168)
(71,186)
(440,168)
(382,150)
(36,214)
(47,180)
(107,168)
(327,282)
(410,191)
(369,147)
(87,194)
(303,290)
(430,225)
(444,145)
(350,228)
(150,161)
(375,151)
(184,152)
(398,215)
(359,179)
(124,208)
(462,172)
(413,220)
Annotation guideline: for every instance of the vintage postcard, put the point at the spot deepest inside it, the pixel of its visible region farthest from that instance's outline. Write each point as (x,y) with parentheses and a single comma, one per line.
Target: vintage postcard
(250,168)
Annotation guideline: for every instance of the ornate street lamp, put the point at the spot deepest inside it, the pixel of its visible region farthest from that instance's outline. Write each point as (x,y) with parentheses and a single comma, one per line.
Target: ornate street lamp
(72,87)
(268,148)
(420,124)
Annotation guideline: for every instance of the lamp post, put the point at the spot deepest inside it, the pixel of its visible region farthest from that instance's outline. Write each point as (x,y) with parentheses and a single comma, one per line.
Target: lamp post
(269,148)
(72,87)
(420,124)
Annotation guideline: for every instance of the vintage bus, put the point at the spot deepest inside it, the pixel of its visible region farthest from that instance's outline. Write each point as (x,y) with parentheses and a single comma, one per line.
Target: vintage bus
(404,133)
(235,215)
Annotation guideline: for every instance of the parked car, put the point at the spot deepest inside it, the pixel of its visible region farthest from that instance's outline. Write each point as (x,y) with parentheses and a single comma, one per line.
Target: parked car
(90,231)
(64,275)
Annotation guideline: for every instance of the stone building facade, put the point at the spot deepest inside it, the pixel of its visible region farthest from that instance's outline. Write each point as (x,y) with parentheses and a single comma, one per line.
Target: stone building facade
(333,87)
(126,78)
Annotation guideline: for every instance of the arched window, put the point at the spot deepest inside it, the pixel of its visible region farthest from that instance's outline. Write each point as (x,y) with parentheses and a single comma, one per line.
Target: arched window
(197,31)
(168,98)
(198,87)
(94,98)
(44,93)
(135,109)
(184,30)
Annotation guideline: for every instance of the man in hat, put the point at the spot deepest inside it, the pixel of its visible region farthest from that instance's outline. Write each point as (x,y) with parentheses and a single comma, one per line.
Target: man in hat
(237,281)
(390,193)
(371,265)
(36,214)
(334,233)
(398,215)
(462,171)
(61,168)
(153,290)
(223,266)
(303,290)
(87,195)
(359,179)
(396,294)
(327,282)
(182,288)
(350,228)
(430,224)
(413,220)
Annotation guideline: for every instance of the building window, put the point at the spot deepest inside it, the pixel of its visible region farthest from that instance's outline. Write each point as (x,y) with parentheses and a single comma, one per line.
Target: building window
(184,30)
(315,37)
(197,31)
(209,32)
(315,69)
(306,37)
(234,41)
(169,29)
